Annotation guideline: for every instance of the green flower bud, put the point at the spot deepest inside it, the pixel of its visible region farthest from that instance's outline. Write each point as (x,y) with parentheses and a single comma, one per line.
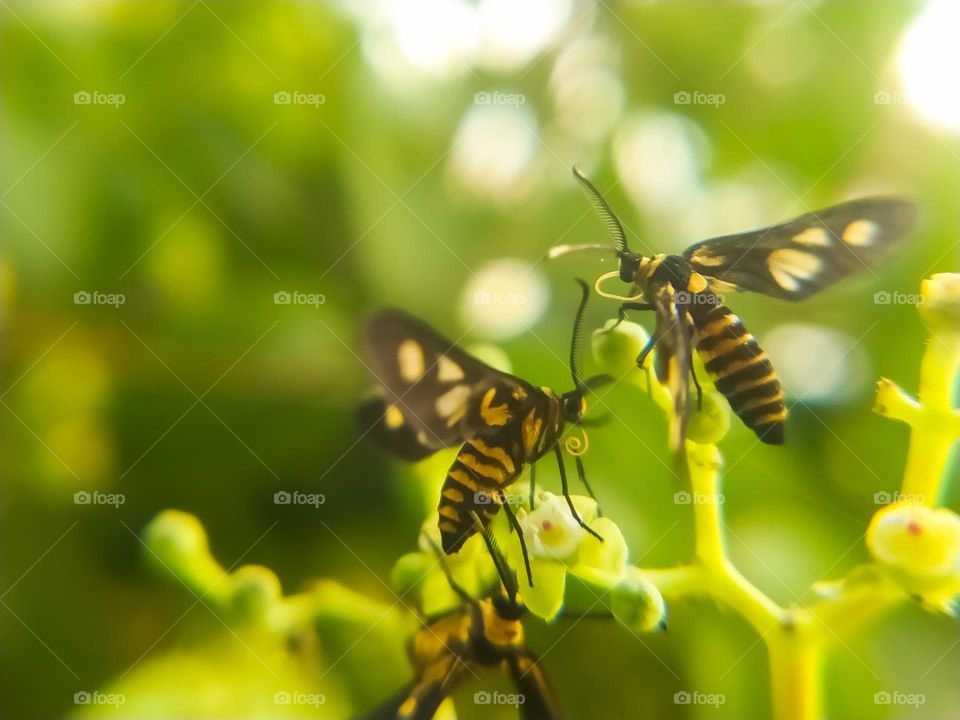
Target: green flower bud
(711,421)
(616,350)
(177,543)
(409,572)
(920,547)
(256,590)
(637,603)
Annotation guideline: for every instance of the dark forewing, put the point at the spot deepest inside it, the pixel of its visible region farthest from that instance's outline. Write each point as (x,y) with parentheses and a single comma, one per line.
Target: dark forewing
(803,256)
(539,702)
(427,378)
(673,366)
(421,700)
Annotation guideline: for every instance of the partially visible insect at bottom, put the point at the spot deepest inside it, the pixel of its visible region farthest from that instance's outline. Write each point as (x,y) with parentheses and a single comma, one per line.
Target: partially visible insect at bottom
(486,632)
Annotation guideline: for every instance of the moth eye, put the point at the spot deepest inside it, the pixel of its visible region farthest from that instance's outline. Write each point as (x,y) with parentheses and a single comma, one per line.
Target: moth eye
(448,370)
(813,237)
(860,233)
(790,267)
(410,360)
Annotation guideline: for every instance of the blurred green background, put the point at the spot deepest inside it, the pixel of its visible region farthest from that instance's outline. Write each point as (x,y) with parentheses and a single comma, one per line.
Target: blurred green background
(199,157)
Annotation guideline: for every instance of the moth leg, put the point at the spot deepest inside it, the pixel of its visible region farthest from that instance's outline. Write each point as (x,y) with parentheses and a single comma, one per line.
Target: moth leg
(583,480)
(622,313)
(533,485)
(516,526)
(566,494)
(696,384)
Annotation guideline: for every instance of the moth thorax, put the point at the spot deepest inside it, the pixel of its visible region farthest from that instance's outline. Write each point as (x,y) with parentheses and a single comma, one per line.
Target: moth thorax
(648,266)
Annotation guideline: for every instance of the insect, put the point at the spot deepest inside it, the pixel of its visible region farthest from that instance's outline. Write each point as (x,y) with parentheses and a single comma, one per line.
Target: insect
(438,396)
(477,633)
(790,261)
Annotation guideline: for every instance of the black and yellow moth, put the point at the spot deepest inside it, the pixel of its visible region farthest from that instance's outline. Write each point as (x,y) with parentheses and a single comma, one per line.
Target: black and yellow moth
(435,396)
(790,261)
(486,632)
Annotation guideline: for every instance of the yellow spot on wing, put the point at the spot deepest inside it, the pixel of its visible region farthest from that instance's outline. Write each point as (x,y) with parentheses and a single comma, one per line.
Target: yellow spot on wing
(813,237)
(790,267)
(860,233)
(452,401)
(411,362)
(448,370)
(449,512)
(393,417)
(703,257)
(494,415)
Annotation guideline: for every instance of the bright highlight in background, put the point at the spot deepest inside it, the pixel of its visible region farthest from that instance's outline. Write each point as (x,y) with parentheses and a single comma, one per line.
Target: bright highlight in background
(928,62)
(504,298)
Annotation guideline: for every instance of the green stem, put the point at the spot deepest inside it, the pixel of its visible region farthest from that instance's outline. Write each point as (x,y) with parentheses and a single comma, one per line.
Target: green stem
(934,429)
(796,654)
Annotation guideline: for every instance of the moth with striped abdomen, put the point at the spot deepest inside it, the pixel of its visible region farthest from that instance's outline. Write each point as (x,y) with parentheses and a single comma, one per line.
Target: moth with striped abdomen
(486,632)
(438,396)
(790,261)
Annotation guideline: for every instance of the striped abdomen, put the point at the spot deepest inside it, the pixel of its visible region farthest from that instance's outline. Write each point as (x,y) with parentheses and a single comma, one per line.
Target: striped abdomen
(474,481)
(742,372)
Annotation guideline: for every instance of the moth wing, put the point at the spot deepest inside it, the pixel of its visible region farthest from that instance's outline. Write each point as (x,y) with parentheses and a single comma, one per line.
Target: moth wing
(539,703)
(428,385)
(795,259)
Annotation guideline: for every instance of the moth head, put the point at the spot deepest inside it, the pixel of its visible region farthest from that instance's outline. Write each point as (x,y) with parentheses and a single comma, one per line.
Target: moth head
(574,405)
(629,265)
(508,608)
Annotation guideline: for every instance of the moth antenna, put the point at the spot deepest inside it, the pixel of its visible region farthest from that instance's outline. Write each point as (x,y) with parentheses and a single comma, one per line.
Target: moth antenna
(609,218)
(499,561)
(576,342)
(558,250)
